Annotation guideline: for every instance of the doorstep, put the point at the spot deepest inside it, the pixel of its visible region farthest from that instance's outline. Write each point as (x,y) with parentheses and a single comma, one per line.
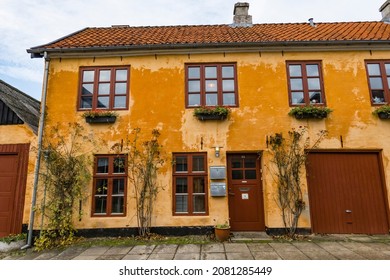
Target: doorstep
(246,236)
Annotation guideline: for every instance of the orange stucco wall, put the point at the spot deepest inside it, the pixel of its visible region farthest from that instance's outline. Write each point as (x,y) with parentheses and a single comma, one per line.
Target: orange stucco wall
(157,100)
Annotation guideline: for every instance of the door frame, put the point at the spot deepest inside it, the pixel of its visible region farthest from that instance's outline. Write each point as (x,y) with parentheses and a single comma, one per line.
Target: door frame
(259,182)
(22,151)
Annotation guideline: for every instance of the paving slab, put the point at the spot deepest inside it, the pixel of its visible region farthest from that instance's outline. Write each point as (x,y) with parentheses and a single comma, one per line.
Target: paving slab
(339,251)
(95,251)
(141,249)
(285,246)
(85,257)
(161,256)
(236,248)
(188,248)
(213,256)
(46,255)
(266,255)
(136,257)
(118,250)
(69,253)
(292,255)
(165,249)
(213,248)
(110,257)
(187,256)
(239,256)
(255,247)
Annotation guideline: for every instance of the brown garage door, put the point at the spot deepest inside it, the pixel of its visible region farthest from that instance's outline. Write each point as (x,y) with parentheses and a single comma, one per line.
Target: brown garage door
(347,193)
(13,170)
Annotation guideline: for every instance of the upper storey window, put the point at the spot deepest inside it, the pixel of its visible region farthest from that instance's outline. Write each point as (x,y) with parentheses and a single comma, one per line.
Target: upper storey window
(305,83)
(211,85)
(378,73)
(104,88)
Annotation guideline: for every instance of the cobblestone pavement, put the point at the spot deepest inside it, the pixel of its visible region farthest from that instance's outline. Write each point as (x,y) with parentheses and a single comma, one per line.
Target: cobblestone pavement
(241,247)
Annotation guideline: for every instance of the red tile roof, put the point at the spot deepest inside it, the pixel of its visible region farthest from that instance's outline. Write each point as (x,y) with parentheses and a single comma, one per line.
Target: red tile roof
(219,35)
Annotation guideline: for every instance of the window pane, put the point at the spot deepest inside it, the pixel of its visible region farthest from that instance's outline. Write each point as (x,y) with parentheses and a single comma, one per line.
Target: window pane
(198,163)
(199,185)
(118,186)
(211,85)
(194,72)
(101,187)
(193,86)
(121,75)
(373,69)
(237,175)
(296,84)
(86,102)
(103,102)
(120,88)
(387,67)
(227,72)
(250,174)
(228,85)
(119,165)
(199,203)
(378,96)
(210,72)
(104,75)
(250,163)
(181,203)
(229,99)
(104,89)
(120,102)
(181,163)
(117,206)
(181,185)
(313,83)
(102,165)
(297,98)
(194,100)
(295,70)
(236,163)
(312,70)
(315,97)
(100,205)
(88,76)
(376,83)
(87,89)
(211,99)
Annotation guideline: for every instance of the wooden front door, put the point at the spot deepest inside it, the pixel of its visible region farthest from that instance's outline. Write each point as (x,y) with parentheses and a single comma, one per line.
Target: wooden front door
(347,193)
(13,172)
(246,207)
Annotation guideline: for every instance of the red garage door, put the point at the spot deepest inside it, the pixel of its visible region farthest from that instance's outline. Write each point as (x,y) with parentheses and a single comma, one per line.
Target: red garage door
(347,192)
(13,170)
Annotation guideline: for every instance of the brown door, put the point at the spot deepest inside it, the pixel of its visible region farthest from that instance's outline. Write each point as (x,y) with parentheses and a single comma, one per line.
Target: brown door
(246,207)
(347,193)
(8,176)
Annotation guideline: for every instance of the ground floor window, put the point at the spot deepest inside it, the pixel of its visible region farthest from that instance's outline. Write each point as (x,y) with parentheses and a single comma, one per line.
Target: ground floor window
(109,185)
(190,184)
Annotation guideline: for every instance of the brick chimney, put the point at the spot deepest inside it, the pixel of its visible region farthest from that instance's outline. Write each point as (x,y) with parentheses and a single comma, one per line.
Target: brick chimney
(241,17)
(385,10)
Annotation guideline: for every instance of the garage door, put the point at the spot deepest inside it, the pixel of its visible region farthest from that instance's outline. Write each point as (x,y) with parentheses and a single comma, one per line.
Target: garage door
(347,193)
(13,171)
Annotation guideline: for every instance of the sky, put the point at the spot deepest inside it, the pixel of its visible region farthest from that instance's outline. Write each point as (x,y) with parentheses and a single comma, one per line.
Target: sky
(29,23)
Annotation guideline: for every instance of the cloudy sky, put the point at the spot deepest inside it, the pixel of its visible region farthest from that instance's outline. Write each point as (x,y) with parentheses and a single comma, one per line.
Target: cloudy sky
(28,23)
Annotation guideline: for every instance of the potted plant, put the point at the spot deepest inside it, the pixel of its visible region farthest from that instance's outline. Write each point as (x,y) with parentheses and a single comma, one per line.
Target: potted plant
(382,112)
(100,117)
(211,113)
(222,231)
(310,112)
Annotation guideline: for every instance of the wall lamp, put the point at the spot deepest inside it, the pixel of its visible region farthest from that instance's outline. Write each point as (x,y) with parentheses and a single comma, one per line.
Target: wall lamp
(217,151)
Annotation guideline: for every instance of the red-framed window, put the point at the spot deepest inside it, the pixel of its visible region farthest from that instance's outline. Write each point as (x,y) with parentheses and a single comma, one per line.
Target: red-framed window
(190,184)
(305,83)
(109,186)
(211,85)
(104,88)
(378,74)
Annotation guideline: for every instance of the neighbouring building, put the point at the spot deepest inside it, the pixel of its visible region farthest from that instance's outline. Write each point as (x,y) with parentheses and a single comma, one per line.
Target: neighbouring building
(19,114)
(154,77)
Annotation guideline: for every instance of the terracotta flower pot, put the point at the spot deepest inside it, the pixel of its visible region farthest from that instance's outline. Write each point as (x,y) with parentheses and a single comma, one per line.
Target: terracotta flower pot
(222,234)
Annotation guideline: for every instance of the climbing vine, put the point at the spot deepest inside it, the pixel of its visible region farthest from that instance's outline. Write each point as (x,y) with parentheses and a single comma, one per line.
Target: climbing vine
(64,178)
(289,158)
(144,161)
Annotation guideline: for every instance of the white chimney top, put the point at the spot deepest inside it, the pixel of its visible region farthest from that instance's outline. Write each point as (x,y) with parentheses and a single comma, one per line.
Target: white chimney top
(241,17)
(385,10)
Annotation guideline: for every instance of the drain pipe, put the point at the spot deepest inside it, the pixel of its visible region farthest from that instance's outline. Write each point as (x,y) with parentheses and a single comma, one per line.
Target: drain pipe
(38,162)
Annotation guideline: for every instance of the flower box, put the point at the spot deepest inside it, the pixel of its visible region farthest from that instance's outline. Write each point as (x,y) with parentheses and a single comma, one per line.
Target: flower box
(310,112)
(383,112)
(384,115)
(100,119)
(211,113)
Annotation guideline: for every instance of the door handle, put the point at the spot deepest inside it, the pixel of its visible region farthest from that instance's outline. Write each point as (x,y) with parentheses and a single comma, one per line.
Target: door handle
(232,193)
(348,211)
